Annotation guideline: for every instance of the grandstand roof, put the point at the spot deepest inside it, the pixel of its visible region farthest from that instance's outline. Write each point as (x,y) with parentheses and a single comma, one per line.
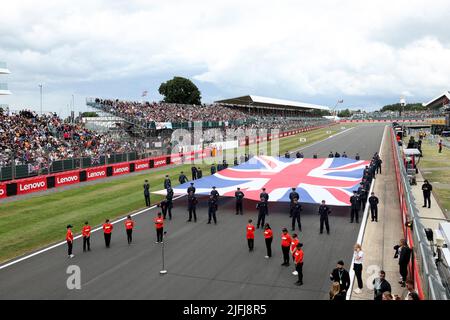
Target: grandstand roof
(440,100)
(270,102)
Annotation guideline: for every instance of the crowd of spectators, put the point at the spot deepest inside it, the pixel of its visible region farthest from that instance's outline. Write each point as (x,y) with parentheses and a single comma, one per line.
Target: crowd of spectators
(38,140)
(143,112)
(170,112)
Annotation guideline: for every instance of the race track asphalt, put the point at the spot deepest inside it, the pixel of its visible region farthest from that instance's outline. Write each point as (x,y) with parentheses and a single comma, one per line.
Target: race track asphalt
(203,261)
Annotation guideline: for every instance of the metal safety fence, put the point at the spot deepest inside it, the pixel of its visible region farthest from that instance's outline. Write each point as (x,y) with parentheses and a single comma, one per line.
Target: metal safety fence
(423,266)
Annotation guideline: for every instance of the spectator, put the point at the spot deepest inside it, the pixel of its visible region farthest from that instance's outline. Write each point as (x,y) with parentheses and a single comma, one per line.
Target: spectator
(403,253)
(381,285)
(335,292)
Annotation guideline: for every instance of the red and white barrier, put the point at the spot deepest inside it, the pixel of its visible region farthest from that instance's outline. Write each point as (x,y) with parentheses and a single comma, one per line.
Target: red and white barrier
(95,173)
(2,191)
(32,185)
(67,178)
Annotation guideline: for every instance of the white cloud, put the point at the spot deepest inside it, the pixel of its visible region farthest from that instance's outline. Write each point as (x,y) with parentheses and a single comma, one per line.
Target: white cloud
(290,49)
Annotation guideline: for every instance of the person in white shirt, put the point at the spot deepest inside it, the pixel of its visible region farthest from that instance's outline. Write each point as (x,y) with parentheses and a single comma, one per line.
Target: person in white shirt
(358,258)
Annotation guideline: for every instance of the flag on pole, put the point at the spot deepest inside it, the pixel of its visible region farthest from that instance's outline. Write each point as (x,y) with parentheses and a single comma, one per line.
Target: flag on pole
(144,94)
(341,101)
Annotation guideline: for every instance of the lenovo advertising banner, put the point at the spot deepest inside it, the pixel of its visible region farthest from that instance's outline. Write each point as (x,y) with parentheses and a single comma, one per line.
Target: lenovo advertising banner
(31,185)
(141,165)
(119,169)
(159,162)
(2,191)
(95,173)
(68,178)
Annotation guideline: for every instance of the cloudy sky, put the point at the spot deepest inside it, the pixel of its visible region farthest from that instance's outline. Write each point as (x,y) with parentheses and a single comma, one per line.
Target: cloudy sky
(368,53)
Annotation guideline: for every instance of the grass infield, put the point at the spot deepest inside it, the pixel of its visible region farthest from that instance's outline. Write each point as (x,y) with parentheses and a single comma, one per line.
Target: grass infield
(29,224)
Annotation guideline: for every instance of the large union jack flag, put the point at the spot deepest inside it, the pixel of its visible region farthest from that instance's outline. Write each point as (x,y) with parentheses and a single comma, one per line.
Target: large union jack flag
(332,180)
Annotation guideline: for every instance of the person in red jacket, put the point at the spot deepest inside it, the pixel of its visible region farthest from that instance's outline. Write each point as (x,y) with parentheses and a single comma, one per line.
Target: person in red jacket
(107,230)
(250,235)
(159,224)
(298,257)
(285,246)
(268,237)
(69,239)
(293,248)
(86,233)
(129,225)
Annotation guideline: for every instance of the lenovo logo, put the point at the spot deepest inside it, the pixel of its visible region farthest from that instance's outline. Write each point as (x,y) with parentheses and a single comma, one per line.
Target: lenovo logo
(121,170)
(31,186)
(142,166)
(66,180)
(96,174)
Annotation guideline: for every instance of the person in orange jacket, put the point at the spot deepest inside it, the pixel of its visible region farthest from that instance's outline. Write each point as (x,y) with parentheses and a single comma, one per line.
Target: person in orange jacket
(268,237)
(293,248)
(159,225)
(250,235)
(107,230)
(69,239)
(298,257)
(285,246)
(86,233)
(129,225)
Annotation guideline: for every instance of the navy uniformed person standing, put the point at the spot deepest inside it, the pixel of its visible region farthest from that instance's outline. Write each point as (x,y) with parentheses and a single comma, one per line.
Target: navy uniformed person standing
(167,182)
(239,195)
(199,173)
(194,173)
(147,193)
(287,155)
(214,193)
(163,206)
(182,179)
(296,210)
(337,155)
(219,167)
(264,194)
(213,169)
(293,195)
(363,196)
(355,202)
(262,212)
(192,206)
(344,155)
(373,201)
(236,161)
(357,157)
(169,202)
(212,209)
(191,188)
(331,155)
(426,189)
(324,211)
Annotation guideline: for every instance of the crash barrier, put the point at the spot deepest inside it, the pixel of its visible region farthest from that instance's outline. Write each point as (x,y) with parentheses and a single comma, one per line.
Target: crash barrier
(65,178)
(398,120)
(422,266)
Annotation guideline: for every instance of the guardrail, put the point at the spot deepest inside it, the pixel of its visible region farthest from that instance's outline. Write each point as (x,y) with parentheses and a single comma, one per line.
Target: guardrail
(423,266)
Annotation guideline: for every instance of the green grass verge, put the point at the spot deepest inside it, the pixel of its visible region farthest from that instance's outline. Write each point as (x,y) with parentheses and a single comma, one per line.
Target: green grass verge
(440,176)
(28,224)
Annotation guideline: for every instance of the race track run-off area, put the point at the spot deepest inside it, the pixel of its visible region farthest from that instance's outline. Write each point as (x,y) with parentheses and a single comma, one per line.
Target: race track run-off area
(203,261)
